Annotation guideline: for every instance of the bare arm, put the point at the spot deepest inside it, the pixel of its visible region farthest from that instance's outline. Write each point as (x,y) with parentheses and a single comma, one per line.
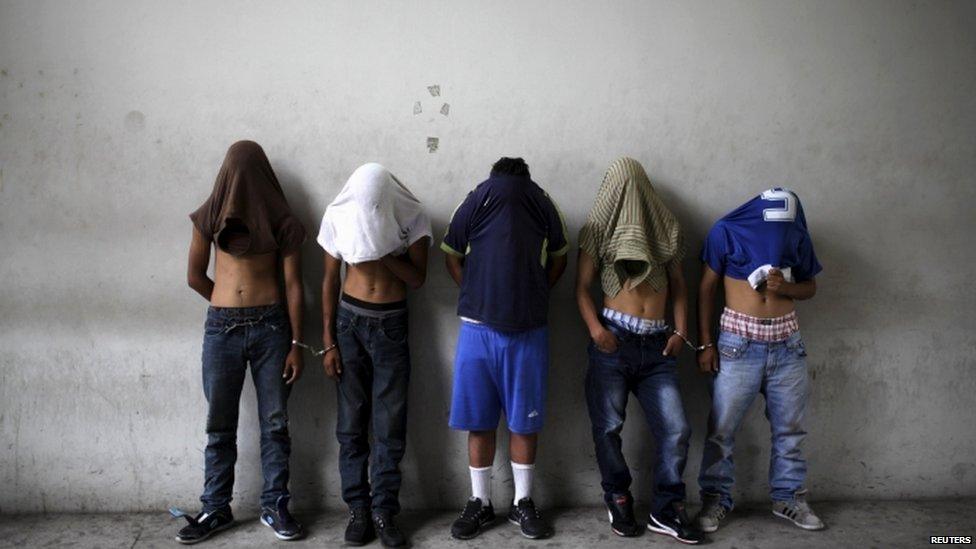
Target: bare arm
(294,296)
(413,270)
(555,268)
(330,301)
(199,260)
(794,290)
(708,358)
(586,271)
(455,267)
(585,275)
(678,291)
(679,297)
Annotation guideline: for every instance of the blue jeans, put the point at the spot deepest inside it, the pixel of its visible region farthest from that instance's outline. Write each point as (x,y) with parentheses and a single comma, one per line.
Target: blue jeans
(234,338)
(746,368)
(373,386)
(639,367)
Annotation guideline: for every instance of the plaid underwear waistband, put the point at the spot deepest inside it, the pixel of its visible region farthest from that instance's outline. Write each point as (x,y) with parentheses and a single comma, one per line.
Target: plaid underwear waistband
(759,329)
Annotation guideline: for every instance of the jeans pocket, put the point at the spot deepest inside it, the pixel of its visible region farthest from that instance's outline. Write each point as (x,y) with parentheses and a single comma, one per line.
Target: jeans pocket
(394,329)
(600,354)
(731,346)
(343,322)
(278,324)
(213,327)
(796,346)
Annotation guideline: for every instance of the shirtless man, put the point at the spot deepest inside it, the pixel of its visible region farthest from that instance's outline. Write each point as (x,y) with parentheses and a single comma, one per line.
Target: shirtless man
(633,243)
(248,222)
(763,255)
(380,231)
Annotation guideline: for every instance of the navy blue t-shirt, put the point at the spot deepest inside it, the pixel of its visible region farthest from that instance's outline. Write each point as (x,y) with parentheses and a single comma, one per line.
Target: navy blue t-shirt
(505,230)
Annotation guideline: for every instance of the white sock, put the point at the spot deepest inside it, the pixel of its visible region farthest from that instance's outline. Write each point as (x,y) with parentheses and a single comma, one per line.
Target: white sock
(522,477)
(481,483)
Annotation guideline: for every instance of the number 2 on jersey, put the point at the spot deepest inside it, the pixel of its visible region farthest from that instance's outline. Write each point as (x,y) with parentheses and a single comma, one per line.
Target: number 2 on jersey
(787,212)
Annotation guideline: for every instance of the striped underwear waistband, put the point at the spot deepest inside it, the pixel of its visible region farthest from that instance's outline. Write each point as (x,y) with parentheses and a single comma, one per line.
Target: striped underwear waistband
(635,324)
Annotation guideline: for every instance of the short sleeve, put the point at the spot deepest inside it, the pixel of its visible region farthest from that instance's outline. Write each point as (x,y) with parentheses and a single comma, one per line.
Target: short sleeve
(558,239)
(418,229)
(327,238)
(456,240)
(807,267)
(290,235)
(589,241)
(715,249)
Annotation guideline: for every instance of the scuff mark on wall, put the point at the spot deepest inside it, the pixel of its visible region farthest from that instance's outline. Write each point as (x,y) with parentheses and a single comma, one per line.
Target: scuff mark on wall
(135,121)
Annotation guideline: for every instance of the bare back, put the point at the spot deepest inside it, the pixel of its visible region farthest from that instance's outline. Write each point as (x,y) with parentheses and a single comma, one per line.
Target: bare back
(245,281)
(374,282)
(741,297)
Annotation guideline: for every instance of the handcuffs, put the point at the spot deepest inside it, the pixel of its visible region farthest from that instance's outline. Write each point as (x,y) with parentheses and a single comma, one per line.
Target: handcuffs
(696,348)
(313,350)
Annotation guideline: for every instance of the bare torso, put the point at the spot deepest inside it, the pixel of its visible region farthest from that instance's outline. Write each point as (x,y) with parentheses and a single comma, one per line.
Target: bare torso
(373,281)
(643,301)
(245,281)
(741,297)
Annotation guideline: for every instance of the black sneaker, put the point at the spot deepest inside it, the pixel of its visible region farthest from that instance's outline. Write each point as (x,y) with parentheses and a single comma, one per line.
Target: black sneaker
(359,531)
(529,519)
(474,516)
(673,521)
(280,520)
(620,507)
(390,535)
(202,526)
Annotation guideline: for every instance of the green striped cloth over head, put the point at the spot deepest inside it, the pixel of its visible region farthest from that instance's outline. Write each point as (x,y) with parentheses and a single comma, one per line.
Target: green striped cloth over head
(630,234)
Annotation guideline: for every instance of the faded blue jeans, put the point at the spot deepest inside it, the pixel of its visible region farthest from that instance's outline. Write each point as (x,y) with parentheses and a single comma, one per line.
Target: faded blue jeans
(638,367)
(746,368)
(233,339)
(372,391)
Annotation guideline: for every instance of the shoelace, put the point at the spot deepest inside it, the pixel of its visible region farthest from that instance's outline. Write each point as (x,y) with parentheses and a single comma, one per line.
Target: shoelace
(356,514)
(528,510)
(471,510)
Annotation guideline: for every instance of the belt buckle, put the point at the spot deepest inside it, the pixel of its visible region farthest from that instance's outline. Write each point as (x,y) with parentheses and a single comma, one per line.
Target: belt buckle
(766,321)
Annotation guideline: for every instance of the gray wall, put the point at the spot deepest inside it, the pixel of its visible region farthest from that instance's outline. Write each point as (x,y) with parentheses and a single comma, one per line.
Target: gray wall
(114,117)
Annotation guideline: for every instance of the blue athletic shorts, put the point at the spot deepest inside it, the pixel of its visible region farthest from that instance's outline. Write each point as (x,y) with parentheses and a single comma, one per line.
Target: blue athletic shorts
(497,370)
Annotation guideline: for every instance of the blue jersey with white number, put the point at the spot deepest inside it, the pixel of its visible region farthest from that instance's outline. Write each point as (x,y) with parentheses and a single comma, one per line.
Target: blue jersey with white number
(767,231)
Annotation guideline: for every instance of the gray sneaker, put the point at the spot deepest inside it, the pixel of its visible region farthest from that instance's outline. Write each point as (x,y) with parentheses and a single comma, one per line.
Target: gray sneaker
(798,512)
(712,512)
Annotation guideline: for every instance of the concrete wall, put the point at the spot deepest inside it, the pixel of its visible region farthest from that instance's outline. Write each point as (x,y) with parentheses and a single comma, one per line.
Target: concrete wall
(114,117)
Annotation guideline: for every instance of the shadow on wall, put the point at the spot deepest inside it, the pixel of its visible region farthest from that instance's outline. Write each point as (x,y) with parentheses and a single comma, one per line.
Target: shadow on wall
(434,466)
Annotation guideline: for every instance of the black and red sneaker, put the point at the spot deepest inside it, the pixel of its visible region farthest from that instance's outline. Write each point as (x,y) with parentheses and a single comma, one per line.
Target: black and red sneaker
(620,508)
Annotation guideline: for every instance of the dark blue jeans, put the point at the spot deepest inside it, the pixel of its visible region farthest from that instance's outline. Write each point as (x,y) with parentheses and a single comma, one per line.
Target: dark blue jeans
(373,386)
(234,338)
(638,367)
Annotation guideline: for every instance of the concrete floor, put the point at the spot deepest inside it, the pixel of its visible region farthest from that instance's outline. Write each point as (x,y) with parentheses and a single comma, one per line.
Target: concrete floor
(864,524)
